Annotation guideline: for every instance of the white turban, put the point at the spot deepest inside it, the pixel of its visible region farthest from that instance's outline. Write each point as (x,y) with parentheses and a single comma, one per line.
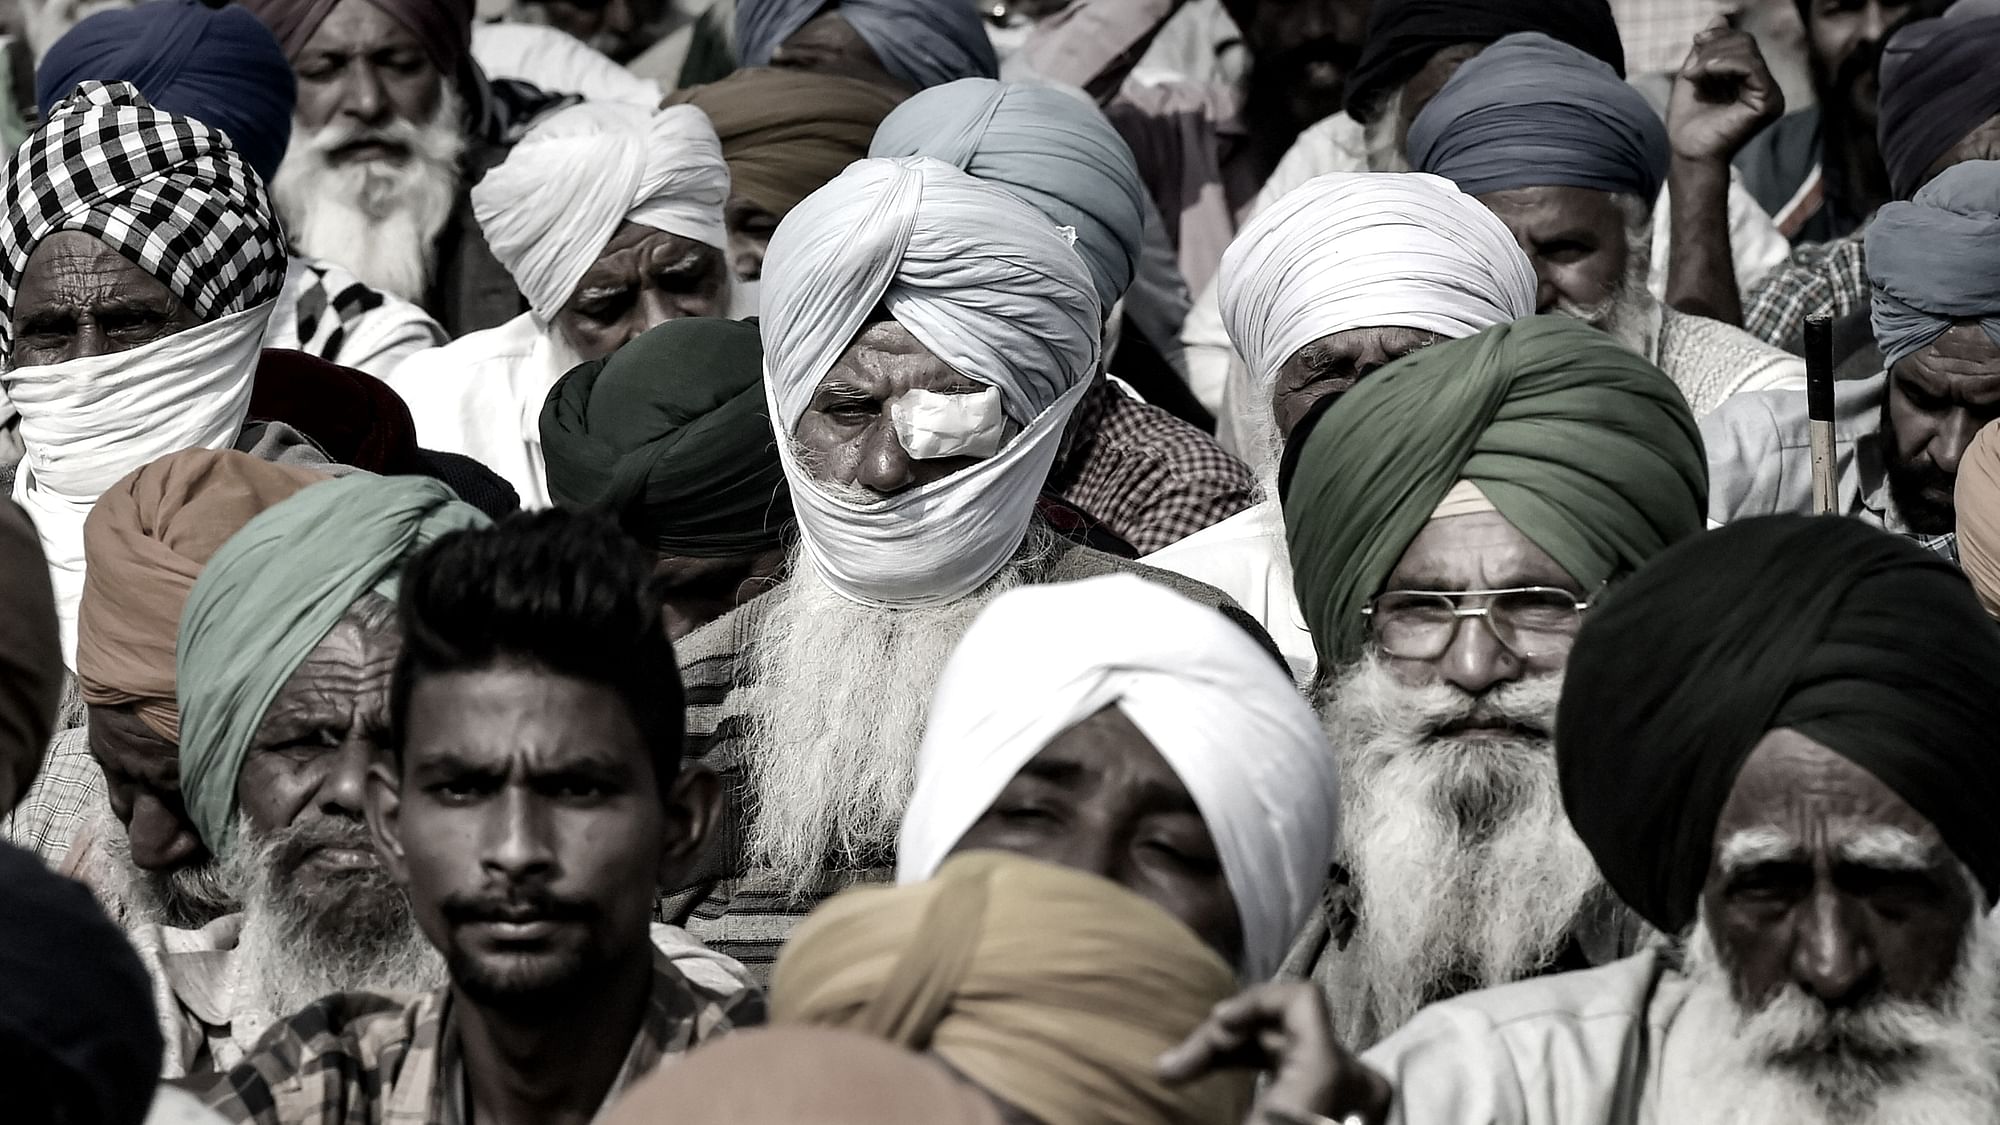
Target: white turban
(550,208)
(1221,710)
(1368,250)
(991,287)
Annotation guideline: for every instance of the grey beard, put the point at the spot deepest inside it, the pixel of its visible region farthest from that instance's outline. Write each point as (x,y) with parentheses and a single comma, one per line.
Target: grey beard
(1892,1062)
(835,698)
(186,898)
(1626,315)
(1378,136)
(1468,871)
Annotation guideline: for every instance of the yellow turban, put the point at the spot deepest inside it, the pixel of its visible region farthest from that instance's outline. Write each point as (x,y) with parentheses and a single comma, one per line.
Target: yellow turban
(1977,499)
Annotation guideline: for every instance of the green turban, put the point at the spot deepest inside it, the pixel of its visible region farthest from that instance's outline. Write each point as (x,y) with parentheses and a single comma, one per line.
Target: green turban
(1587,449)
(269,596)
(672,433)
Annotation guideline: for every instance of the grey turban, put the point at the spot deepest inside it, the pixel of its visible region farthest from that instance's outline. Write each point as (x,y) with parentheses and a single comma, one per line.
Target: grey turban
(1936,259)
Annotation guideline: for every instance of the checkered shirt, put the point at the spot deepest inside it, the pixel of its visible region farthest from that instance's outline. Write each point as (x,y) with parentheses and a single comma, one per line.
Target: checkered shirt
(1819,279)
(67,794)
(1148,477)
(165,191)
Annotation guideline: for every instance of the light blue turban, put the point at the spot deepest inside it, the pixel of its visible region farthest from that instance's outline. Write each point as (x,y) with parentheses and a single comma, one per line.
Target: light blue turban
(923,42)
(1531,112)
(1936,259)
(1053,149)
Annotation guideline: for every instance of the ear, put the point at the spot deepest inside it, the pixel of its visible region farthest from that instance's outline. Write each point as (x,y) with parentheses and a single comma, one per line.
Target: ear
(693,809)
(384,806)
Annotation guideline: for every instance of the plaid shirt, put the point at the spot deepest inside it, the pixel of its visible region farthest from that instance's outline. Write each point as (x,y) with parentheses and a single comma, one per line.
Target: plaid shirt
(1147,476)
(65,795)
(1819,279)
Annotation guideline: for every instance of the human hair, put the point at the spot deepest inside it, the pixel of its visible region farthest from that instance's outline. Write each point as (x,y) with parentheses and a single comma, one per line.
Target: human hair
(558,590)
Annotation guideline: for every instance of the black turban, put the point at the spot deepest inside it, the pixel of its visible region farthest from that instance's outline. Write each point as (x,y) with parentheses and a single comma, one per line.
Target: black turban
(1938,84)
(1404,34)
(1851,636)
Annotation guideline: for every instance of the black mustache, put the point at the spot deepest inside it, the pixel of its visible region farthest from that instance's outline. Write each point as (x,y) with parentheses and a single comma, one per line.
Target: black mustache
(519,905)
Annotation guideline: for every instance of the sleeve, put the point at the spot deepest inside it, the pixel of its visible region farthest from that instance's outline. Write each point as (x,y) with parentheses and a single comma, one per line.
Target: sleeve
(1746,458)
(1449,1066)
(1755,246)
(1818,279)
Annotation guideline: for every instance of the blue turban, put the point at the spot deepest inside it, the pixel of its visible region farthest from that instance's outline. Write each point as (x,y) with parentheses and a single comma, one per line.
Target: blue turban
(1936,259)
(1531,112)
(1054,150)
(219,66)
(923,42)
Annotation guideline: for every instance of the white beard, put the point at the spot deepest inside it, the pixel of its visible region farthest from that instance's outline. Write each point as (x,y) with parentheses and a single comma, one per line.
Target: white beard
(378,219)
(1625,315)
(1378,137)
(835,701)
(187,898)
(1728,1066)
(1468,871)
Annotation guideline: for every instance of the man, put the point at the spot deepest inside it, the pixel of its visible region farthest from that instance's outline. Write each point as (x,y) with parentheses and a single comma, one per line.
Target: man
(672,435)
(1813,823)
(601,258)
(1147,477)
(1571,159)
(1348,273)
(532,797)
(904,44)
(1900,435)
(914,481)
(31,679)
(1507,477)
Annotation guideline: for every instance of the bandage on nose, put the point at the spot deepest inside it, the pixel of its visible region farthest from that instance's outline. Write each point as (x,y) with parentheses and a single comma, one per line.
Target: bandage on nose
(932,425)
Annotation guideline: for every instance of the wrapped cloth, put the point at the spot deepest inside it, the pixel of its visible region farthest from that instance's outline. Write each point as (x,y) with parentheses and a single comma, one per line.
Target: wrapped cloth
(267,599)
(1935,260)
(1976,499)
(444,27)
(147,541)
(1529,111)
(1054,149)
(1052,990)
(1851,636)
(1222,713)
(1938,84)
(1404,34)
(548,222)
(31,669)
(989,286)
(785,133)
(1587,449)
(672,434)
(922,42)
(1368,250)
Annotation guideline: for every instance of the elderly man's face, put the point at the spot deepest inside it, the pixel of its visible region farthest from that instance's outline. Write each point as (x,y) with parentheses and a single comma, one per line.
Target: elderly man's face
(142,774)
(1332,364)
(1100,798)
(846,435)
(696,591)
(1576,240)
(365,68)
(78,297)
(828,44)
(1844,44)
(645,278)
(1938,397)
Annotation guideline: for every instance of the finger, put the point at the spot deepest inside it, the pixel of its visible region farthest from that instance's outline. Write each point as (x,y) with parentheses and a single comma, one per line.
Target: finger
(1199,1052)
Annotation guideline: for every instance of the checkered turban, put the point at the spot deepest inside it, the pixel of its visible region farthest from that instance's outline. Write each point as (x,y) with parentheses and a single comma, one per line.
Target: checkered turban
(165,191)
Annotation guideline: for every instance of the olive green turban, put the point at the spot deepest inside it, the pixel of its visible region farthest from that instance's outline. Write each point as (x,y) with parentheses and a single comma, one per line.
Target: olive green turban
(1587,449)
(672,434)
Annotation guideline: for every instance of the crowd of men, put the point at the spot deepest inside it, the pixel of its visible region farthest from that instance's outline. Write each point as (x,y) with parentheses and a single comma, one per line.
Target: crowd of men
(1109,562)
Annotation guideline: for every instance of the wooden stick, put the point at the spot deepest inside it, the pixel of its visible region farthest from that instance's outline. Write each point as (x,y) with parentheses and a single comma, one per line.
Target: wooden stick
(1819,409)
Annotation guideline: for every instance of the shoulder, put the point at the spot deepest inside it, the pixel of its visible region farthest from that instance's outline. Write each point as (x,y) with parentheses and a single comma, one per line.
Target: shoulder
(469,355)
(1247,534)
(704,992)
(1073,563)
(1713,361)
(337,1045)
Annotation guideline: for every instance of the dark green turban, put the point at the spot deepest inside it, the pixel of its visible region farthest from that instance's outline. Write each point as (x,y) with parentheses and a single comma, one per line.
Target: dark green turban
(672,434)
(1851,636)
(1587,449)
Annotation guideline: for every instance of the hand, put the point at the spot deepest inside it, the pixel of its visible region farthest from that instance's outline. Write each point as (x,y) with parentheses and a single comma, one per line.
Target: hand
(1282,1027)
(1723,95)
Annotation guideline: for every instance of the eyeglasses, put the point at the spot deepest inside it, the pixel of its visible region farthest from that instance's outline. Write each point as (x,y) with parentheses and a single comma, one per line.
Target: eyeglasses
(1528,621)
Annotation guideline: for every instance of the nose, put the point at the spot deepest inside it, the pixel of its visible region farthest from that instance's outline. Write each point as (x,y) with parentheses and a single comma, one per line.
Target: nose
(1476,660)
(1953,438)
(516,847)
(89,340)
(1874,22)
(1546,293)
(364,99)
(340,791)
(1831,956)
(618,18)
(1090,849)
(161,839)
(885,466)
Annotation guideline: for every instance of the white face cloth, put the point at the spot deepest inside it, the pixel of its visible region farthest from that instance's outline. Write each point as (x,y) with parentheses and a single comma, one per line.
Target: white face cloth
(989,286)
(1220,709)
(550,208)
(1368,250)
(88,422)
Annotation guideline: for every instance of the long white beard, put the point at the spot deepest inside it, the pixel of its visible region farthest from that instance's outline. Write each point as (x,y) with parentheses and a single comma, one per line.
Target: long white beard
(379,219)
(187,898)
(1892,1062)
(1468,871)
(837,697)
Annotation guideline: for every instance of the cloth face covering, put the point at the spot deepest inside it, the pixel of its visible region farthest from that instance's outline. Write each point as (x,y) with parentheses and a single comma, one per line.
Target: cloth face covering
(1368,250)
(1977,501)
(1851,636)
(1404,34)
(1221,712)
(1938,84)
(1935,260)
(921,42)
(989,287)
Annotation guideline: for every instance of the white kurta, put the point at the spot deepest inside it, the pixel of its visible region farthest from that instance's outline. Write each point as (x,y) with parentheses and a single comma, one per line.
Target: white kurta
(1244,557)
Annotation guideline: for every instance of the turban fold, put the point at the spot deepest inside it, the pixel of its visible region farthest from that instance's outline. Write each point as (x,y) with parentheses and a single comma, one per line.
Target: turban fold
(1938,84)
(1368,250)
(1223,714)
(1935,260)
(1848,635)
(672,433)
(1529,111)
(31,664)
(785,133)
(168,192)
(1977,501)
(1404,34)
(220,66)
(350,414)
(1587,449)
(1053,149)
(146,542)
(444,27)
(922,42)
(267,599)
(548,222)
(1053,990)
(986,284)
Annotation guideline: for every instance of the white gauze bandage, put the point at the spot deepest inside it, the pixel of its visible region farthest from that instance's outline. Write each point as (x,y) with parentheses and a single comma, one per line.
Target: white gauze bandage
(933,426)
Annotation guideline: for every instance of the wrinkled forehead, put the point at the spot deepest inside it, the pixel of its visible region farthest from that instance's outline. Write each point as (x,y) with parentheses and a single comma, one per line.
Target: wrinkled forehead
(70,266)
(1796,798)
(1480,551)
(886,359)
